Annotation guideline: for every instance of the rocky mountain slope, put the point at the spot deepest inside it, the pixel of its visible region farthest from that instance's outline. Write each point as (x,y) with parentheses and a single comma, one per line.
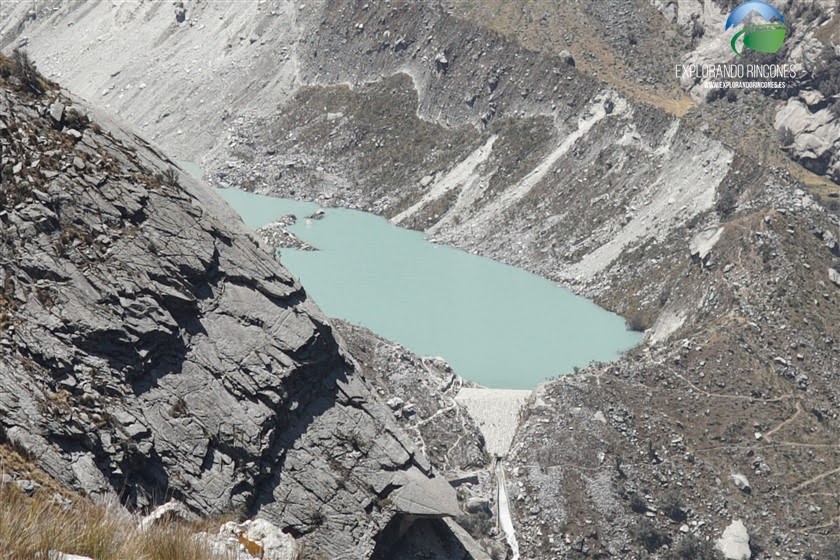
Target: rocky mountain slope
(634,46)
(152,350)
(732,419)
(421,392)
(496,141)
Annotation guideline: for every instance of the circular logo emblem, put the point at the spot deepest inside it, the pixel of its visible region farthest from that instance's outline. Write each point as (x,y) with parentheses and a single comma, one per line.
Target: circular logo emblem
(767,37)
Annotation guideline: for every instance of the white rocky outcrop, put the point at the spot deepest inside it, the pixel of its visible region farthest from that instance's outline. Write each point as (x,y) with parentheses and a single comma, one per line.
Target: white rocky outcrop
(703,243)
(816,133)
(734,544)
(167,512)
(256,538)
(741,482)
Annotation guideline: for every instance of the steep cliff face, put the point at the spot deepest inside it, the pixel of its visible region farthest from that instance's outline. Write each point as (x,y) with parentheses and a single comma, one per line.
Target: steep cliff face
(152,350)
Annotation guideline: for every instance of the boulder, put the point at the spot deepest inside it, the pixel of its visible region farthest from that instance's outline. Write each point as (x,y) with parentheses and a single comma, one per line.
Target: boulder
(476,504)
(180,12)
(27,486)
(742,483)
(567,58)
(831,242)
(57,112)
(734,544)
(442,62)
(257,538)
(812,98)
(702,243)
(419,495)
(834,276)
(394,403)
(275,544)
(815,134)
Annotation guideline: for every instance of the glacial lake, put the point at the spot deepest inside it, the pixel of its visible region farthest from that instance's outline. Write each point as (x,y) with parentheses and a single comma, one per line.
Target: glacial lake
(497,325)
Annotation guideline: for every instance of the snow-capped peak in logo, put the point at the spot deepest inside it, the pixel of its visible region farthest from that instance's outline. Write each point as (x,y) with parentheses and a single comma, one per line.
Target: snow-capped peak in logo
(764,9)
(768,37)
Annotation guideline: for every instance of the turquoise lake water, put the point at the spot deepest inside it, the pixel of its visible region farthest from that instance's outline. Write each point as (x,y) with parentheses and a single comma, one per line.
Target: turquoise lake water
(495,324)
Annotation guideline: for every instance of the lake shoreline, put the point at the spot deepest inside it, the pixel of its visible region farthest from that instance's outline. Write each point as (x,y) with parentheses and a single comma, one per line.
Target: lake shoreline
(433,298)
(480,315)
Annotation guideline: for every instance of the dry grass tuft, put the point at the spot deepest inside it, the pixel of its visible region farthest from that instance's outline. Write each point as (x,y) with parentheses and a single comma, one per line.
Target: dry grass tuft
(32,526)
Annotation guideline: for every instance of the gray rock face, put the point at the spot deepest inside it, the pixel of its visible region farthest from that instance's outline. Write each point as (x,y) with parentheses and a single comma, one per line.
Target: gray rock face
(423,395)
(816,134)
(428,387)
(611,217)
(150,349)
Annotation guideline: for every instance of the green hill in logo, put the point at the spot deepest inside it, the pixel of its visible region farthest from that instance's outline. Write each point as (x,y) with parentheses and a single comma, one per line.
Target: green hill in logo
(767,38)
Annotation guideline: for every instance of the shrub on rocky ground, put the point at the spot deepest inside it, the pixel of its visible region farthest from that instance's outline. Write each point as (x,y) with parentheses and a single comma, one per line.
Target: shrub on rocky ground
(5,68)
(169,177)
(832,550)
(74,118)
(826,74)
(726,203)
(20,71)
(24,70)
(785,136)
(832,204)
(637,503)
(673,506)
(649,536)
(691,547)
(638,321)
(476,524)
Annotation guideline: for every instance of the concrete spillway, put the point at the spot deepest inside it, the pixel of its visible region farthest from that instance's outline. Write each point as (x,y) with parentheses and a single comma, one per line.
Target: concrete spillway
(496,413)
